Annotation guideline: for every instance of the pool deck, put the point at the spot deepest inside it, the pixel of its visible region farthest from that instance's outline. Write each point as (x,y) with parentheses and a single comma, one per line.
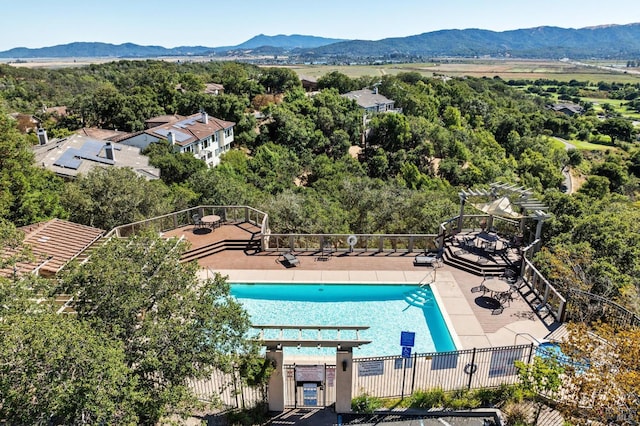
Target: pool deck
(467,314)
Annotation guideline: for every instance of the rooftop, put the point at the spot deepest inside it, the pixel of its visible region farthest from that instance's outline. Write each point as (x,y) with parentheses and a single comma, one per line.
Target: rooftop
(54,243)
(78,154)
(190,129)
(368,98)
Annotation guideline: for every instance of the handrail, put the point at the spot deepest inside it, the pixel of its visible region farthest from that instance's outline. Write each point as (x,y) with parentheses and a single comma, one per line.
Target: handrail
(525,334)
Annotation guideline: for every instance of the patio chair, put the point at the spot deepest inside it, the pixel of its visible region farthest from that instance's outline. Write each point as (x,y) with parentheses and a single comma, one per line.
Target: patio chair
(478,289)
(290,259)
(497,311)
(505,297)
(509,275)
(197,222)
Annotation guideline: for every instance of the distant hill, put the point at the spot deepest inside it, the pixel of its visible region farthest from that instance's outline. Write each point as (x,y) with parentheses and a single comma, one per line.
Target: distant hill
(609,41)
(94,49)
(293,41)
(280,43)
(613,41)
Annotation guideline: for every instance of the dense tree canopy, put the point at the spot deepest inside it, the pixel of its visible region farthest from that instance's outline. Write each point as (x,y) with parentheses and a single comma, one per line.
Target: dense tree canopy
(170,325)
(27,193)
(305,161)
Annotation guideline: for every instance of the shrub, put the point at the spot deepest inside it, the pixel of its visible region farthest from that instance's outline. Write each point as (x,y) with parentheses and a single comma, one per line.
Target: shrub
(248,417)
(365,403)
(517,414)
(428,398)
(462,399)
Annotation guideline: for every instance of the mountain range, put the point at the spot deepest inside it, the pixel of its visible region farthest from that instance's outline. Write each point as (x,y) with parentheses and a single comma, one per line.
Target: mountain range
(608,41)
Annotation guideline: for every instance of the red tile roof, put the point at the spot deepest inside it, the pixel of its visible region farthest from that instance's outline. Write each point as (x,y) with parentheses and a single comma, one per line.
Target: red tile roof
(190,129)
(54,244)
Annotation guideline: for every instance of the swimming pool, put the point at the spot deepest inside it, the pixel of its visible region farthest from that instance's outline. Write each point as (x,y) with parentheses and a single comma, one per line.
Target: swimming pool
(386,309)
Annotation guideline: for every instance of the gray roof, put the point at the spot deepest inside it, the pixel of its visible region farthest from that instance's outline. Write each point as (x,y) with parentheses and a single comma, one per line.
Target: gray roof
(367,98)
(78,154)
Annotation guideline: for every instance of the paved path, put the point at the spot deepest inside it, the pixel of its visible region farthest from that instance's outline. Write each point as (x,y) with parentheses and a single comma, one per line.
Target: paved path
(566,171)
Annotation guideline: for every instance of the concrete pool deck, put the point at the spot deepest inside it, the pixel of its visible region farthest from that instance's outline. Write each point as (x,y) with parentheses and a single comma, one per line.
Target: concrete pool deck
(467,314)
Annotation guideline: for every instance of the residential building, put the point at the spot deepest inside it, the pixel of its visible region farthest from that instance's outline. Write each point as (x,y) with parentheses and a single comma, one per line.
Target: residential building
(53,244)
(102,134)
(566,108)
(213,89)
(309,84)
(79,154)
(204,136)
(371,101)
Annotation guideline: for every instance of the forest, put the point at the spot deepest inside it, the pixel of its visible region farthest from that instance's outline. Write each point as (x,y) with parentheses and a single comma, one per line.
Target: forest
(302,158)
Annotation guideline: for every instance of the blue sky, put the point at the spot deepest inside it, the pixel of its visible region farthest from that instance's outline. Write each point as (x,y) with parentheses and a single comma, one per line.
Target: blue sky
(40,23)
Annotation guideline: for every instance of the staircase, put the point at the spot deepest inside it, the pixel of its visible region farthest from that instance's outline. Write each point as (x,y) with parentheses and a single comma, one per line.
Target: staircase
(419,298)
(247,245)
(474,264)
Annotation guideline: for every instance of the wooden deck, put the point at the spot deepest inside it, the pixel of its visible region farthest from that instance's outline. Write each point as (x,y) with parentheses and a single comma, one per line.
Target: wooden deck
(521,309)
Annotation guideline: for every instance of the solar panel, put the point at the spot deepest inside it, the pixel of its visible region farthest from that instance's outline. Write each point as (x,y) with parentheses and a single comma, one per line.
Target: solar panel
(90,147)
(179,136)
(68,160)
(98,159)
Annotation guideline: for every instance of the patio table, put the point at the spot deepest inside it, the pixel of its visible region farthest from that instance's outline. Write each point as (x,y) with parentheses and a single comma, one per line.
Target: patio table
(210,220)
(496,286)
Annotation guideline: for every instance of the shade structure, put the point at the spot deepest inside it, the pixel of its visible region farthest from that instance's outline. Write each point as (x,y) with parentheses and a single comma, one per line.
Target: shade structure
(499,207)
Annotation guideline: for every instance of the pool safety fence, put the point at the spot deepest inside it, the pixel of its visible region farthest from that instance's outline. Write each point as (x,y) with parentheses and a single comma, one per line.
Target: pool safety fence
(384,377)
(395,376)
(227,390)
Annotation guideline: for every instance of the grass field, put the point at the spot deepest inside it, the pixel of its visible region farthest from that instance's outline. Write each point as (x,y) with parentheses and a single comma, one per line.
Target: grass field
(505,69)
(588,146)
(616,103)
(582,146)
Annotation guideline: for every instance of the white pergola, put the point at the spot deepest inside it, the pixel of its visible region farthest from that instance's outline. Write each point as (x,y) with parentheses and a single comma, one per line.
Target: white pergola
(530,207)
(344,358)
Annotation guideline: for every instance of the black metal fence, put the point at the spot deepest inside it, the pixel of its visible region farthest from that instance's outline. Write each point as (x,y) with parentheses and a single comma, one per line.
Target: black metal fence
(467,369)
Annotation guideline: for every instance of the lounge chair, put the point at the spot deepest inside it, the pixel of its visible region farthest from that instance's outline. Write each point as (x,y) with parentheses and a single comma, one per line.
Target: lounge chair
(433,259)
(290,259)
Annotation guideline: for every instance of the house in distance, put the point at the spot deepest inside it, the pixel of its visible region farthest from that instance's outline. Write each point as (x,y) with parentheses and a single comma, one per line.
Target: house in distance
(204,136)
(78,154)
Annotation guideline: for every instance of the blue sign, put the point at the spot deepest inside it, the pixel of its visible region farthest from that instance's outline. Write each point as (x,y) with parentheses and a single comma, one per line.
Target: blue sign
(407,338)
(406,352)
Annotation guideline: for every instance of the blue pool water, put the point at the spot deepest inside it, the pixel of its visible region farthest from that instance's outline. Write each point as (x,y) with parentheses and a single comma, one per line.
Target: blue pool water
(386,309)
(554,351)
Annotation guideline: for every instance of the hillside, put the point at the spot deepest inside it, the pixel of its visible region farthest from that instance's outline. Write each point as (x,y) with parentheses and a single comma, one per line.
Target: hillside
(130,50)
(611,41)
(615,41)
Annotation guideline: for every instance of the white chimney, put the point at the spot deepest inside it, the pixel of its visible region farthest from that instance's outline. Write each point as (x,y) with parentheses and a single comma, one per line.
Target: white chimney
(108,151)
(42,136)
(375,90)
(205,117)
(171,138)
